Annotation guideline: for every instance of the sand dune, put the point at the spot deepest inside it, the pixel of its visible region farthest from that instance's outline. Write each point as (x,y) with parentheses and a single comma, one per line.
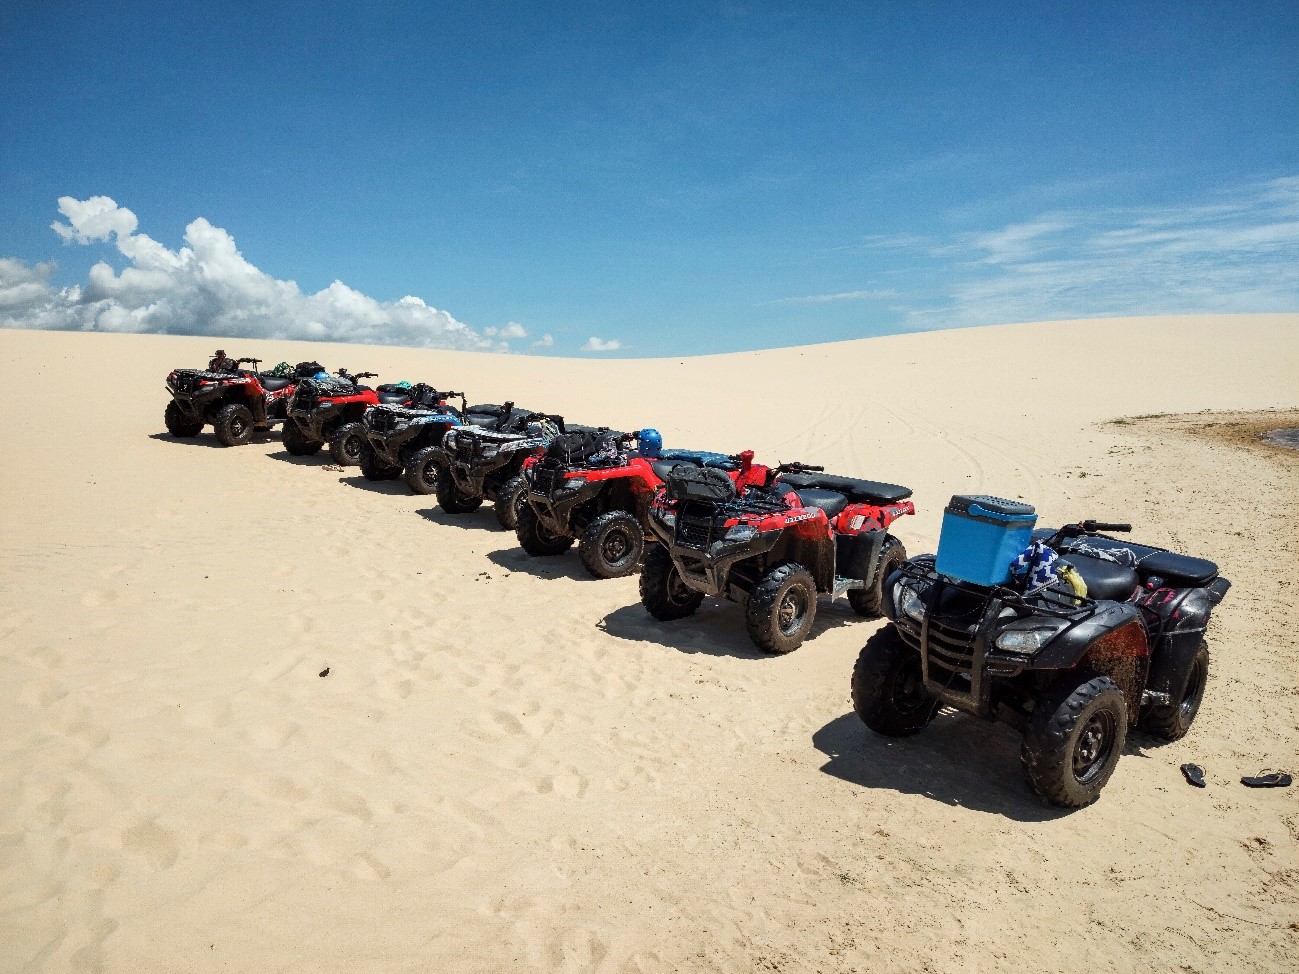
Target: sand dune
(510,768)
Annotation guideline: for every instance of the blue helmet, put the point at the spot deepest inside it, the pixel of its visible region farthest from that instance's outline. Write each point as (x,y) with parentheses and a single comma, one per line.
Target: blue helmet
(649,443)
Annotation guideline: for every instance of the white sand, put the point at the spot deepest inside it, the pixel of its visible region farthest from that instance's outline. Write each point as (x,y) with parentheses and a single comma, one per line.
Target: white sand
(511,768)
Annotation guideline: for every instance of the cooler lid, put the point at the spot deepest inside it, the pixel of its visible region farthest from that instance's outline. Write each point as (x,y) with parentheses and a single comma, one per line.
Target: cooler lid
(988,506)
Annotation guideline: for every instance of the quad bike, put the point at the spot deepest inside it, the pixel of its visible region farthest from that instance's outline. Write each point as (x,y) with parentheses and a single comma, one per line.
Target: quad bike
(1118,637)
(395,433)
(328,409)
(772,545)
(484,462)
(236,402)
(587,488)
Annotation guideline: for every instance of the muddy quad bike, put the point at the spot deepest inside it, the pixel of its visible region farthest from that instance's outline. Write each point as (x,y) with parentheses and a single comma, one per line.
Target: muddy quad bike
(772,546)
(1070,665)
(236,402)
(397,432)
(587,488)
(427,462)
(479,462)
(328,409)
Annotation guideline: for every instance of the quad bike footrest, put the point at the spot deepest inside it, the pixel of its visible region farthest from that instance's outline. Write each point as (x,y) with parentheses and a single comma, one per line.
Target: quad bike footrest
(845,585)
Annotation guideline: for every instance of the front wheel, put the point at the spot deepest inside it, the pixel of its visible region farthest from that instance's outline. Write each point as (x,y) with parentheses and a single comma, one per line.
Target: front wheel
(781,608)
(511,499)
(869,601)
(345,445)
(1074,739)
(612,545)
(888,687)
(426,470)
(535,538)
(180,423)
(1171,722)
(663,591)
(233,425)
(298,443)
(372,469)
(452,499)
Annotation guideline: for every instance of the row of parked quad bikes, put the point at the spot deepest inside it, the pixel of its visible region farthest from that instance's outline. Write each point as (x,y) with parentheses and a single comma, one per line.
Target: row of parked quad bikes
(1088,637)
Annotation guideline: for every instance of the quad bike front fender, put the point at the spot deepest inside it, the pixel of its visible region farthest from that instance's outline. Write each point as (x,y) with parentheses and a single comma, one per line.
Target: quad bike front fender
(709,571)
(1076,642)
(556,510)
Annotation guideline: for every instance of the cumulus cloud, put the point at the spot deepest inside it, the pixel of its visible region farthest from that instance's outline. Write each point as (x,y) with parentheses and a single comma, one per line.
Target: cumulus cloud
(208,288)
(545,341)
(594,344)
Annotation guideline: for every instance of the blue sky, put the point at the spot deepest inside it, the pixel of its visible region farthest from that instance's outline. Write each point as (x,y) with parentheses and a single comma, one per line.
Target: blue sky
(664,178)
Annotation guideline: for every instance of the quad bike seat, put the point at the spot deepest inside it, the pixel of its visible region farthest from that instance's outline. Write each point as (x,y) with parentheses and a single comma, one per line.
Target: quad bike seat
(857,491)
(274,383)
(1105,579)
(392,396)
(1175,569)
(830,501)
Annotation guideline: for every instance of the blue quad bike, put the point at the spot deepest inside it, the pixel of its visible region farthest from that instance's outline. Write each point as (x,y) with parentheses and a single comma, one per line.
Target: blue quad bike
(1114,637)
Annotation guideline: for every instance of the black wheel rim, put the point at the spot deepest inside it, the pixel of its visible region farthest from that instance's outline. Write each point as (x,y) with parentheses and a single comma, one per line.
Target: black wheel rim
(791,610)
(430,474)
(678,591)
(238,426)
(352,447)
(907,692)
(616,546)
(1191,695)
(1094,746)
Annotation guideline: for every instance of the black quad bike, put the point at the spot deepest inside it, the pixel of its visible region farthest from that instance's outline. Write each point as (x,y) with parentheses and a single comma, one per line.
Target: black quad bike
(395,433)
(1071,671)
(477,463)
(426,461)
(328,410)
(235,402)
(772,545)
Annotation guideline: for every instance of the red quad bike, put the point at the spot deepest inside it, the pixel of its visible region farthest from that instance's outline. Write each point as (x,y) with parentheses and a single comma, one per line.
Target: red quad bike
(772,547)
(586,488)
(329,410)
(235,402)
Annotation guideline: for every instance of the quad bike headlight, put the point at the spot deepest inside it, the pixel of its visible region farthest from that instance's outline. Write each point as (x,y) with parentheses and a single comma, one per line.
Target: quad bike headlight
(490,450)
(449,441)
(741,532)
(1024,642)
(909,603)
(573,483)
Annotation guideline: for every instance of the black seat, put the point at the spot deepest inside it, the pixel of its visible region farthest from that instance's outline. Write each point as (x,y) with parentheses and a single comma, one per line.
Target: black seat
(393,396)
(830,501)
(274,383)
(663,468)
(1105,579)
(1179,570)
(857,491)
(482,420)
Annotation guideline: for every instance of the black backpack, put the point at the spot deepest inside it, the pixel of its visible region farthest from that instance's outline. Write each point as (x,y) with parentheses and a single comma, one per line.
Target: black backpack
(306,370)
(687,482)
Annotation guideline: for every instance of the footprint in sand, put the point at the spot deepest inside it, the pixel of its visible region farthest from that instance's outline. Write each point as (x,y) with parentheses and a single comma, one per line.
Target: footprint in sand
(366,866)
(209,714)
(98,597)
(152,841)
(270,734)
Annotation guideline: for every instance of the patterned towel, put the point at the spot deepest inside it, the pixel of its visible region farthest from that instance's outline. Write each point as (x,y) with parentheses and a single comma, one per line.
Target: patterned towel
(1035,567)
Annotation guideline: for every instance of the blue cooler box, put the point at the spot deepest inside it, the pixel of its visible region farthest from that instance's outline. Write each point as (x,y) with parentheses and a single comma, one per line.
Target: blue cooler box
(981,536)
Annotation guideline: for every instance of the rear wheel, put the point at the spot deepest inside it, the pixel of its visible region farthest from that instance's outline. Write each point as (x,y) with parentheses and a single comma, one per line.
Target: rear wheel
(1171,722)
(298,443)
(452,499)
(233,425)
(869,601)
(612,545)
(372,469)
(663,591)
(180,423)
(427,469)
(781,608)
(536,539)
(345,445)
(513,497)
(888,686)
(1074,739)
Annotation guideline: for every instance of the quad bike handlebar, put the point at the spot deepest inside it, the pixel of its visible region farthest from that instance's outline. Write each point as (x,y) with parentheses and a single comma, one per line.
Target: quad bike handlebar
(1084,528)
(1090,526)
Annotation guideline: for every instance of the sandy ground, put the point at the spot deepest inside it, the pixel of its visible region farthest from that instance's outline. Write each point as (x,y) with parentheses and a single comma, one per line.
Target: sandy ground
(510,767)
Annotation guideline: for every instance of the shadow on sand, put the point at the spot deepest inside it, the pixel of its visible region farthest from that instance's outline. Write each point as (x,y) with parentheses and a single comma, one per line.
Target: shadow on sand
(483,519)
(958,760)
(717,629)
(567,565)
(206,439)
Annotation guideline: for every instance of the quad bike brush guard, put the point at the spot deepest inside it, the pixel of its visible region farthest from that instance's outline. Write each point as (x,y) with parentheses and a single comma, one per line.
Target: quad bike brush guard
(773,547)
(1071,665)
(234,403)
(398,433)
(601,501)
(329,411)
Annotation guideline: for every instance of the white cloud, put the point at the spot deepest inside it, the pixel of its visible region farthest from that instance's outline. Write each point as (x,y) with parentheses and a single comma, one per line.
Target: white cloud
(545,341)
(836,297)
(208,288)
(594,344)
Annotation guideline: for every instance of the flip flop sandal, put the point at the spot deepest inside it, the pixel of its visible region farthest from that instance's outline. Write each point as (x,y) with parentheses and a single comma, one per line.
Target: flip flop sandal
(1276,779)
(1194,774)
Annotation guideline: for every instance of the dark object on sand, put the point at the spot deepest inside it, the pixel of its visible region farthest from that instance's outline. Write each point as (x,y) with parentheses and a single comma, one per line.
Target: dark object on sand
(1288,438)
(1194,774)
(1275,779)
(325,671)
